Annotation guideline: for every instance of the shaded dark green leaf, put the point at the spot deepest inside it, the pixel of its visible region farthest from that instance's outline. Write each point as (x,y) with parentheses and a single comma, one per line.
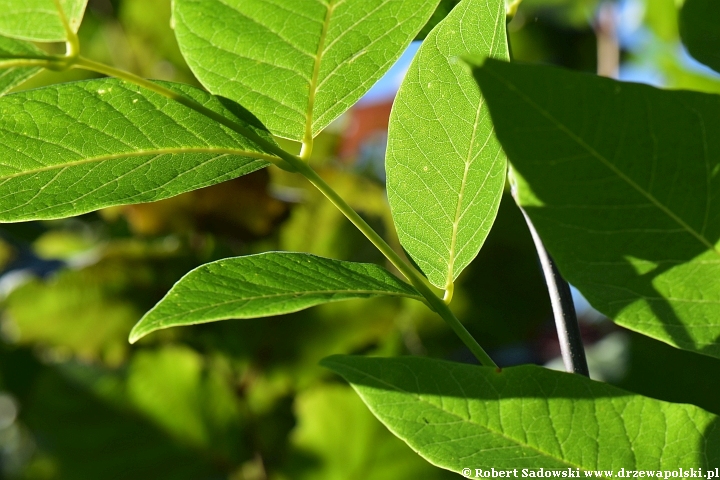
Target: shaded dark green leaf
(621,181)
(700,30)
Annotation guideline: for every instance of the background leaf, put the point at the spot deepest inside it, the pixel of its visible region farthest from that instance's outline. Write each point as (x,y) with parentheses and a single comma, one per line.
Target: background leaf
(266,284)
(12,77)
(699,20)
(39,20)
(324,451)
(458,416)
(296,65)
(72,148)
(445,168)
(624,192)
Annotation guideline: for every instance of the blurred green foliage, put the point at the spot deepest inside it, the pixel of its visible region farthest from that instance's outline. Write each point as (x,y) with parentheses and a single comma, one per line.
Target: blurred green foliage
(246,400)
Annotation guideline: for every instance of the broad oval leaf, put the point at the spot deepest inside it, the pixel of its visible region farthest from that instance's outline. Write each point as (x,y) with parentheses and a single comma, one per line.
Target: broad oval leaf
(40,20)
(445,168)
(621,181)
(700,30)
(263,285)
(76,147)
(11,50)
(463,416)
(296,64)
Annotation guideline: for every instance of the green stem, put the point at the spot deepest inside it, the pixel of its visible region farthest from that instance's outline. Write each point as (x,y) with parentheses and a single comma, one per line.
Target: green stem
(413,276)
(72,44)
(297,164)
(44,62)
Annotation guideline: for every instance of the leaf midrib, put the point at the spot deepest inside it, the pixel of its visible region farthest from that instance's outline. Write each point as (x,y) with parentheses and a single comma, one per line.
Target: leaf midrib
(468,163)
(140,153)
(465,420)
(294,294)
(307,137)
(607,163)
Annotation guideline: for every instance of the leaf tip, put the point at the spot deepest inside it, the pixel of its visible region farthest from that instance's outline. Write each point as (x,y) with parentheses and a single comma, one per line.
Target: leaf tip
(331,362)
(137,333)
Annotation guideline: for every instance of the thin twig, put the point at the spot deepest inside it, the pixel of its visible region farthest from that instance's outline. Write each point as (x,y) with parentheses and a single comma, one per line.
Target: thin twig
(566,322)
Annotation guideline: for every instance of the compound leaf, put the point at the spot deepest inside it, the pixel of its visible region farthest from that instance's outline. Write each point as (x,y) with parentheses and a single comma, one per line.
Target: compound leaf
(263,285)
(458,416)
(297,65)
(699,20)
(40,20)
(445,168)
(76,147)
(621,181)
(10,50)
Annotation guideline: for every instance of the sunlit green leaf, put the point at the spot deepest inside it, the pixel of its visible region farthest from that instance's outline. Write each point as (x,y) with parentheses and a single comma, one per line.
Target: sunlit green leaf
(700,30)
(297,65)
(10,49)
(458,416)
(76,147)
(621,181)
(266,284)
(40,20)
(445,168)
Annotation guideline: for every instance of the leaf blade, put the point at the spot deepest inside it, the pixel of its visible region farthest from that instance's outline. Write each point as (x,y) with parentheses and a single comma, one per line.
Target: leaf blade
(458,415)
(699,32)
(334,53)
(73,148)
(10,49)
(445,168)
(40,20)
(623,192)
(241,288)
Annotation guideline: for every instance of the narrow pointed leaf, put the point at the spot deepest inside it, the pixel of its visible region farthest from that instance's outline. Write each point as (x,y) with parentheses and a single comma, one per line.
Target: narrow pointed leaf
(700,30)
(463,416)
(10,50)
(263,285)
(621,181)
(76,147)
(445,168)
(40,20)
(296,64)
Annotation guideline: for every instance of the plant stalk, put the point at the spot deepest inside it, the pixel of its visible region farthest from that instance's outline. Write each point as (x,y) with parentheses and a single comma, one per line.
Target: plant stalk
(566,322)
(293,163)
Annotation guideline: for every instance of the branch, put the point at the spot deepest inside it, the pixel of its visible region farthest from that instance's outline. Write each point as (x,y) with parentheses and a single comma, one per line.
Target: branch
(566,323)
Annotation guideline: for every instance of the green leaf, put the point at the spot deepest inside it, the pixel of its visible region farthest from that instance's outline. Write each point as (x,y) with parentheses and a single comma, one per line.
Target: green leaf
(699,20)
(40,20)
(445,168)
(189,399)
(89,429)
(76,147)
(10,49)
(325,414)
(263,285)
(464,416)
(621,181)
(296,65)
